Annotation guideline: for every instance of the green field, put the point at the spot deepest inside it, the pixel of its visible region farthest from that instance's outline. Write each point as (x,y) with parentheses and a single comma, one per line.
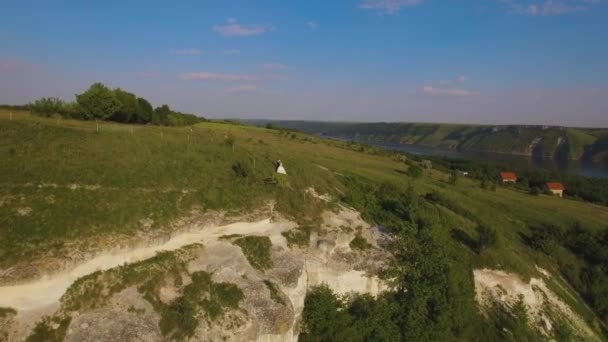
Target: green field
(71,186)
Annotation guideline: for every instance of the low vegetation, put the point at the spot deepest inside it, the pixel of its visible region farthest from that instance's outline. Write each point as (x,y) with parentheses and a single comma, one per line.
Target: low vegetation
(50,330)
(257,251)
(200,298)
(299,236)
(360,243)
(4,312)
(180,318)
(274,292)
(69,186)
(101,103)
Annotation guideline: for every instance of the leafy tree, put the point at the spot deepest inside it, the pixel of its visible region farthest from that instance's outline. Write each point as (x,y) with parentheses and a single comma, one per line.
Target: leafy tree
(48,106)
(97,102)
(324,321)
(161,115)
(129,107)
(144,111)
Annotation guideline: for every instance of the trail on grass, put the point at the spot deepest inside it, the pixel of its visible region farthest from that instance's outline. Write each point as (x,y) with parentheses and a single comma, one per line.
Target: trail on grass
(48,290)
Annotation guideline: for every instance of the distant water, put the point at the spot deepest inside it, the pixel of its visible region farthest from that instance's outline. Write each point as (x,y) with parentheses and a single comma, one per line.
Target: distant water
(577,167)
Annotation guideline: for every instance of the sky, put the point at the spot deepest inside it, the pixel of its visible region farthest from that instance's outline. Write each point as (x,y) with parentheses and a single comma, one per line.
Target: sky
(461,61)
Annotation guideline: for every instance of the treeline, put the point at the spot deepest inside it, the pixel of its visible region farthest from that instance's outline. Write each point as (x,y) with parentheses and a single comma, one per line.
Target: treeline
(102,103)
(532,180)
(582,256)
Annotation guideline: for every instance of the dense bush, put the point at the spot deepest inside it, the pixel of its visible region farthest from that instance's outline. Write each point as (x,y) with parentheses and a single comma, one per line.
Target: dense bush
(588,272)
(241,169)
(432,296)
(102,103)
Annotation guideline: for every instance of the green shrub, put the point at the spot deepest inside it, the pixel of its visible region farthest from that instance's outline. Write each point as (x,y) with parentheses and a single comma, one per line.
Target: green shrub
(487,237)
(360,243)
(299,236)
(7,311)
(257,251)
(414,171)
(44,332)
(241,169)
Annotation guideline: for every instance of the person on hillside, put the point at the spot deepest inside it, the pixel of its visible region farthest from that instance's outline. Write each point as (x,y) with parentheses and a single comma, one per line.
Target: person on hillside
(279,168)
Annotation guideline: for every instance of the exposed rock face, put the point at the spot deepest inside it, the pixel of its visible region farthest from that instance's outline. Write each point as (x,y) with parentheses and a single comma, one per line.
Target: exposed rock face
(543,306)
(272,301)
(113,325)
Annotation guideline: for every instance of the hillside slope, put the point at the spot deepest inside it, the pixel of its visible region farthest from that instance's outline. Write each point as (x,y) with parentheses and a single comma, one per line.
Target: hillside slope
(243,252)
(540,141)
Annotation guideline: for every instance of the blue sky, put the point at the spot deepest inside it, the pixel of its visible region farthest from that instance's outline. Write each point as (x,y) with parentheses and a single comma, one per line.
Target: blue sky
(474,61)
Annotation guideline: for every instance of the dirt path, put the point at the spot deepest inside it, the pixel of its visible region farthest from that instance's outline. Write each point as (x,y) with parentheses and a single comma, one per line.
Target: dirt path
(48,290)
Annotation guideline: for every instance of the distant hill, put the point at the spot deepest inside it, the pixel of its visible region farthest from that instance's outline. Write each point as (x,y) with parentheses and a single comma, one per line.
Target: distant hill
(546,141)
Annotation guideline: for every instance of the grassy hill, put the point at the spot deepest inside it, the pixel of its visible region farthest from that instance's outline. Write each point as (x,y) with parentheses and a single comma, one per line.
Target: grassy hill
(549,142)
(70,189)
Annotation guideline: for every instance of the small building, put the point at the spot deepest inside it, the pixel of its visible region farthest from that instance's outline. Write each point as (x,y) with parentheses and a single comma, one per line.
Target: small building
(280,168)
(508,177)
(556,188)
(463,173)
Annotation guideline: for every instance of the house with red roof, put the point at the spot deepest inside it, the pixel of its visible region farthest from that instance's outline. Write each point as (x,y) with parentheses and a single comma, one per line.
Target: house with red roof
(507,177)
(556,188)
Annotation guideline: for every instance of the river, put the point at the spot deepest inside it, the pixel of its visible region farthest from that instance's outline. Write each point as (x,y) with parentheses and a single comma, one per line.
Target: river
(577,167)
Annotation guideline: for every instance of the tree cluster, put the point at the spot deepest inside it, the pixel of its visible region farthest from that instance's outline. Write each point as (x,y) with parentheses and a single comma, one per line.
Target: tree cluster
(582,255)
(102,103)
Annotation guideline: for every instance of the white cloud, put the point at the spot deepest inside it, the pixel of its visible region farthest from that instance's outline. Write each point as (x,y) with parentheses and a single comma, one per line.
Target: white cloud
(186,52)
(389,7)
(218,77)
(448,91)
(232,28)
(547,7)
(313,25)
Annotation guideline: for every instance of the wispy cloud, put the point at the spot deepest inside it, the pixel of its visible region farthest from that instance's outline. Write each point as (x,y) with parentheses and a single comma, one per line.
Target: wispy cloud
(232,52)
(449,91)
(244,88)
(274,66)
(185,52)
(219,77)
(233,28)
(389,7)
(547,7)
(313,25)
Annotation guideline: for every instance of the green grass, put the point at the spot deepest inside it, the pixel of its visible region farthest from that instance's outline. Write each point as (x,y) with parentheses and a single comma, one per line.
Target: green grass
(257,251)
(299,236)
(360,243)
(66,186)
(179,318)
